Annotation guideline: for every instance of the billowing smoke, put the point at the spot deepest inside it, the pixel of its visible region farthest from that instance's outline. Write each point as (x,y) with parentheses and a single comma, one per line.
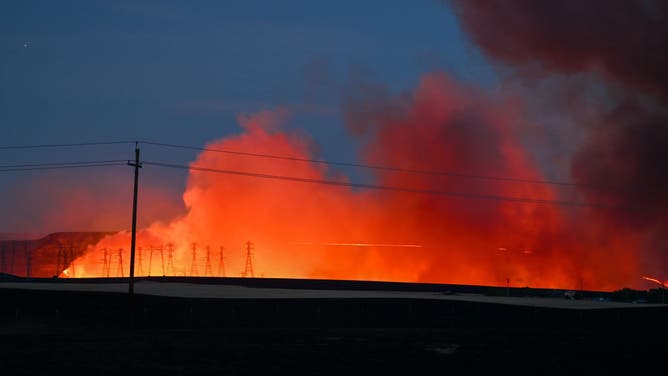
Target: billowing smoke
(626,164)
(622,163)
(624,39)
(625,42)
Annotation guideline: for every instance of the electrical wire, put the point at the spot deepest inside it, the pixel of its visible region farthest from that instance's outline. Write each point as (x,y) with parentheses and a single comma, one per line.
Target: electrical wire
(61,165)
(40,146)
(310,160)
(373,167)
(373,186)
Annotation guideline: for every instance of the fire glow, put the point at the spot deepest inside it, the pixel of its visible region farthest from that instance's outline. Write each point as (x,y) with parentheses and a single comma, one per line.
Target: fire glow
(334,244)
(662,284)
(405,236)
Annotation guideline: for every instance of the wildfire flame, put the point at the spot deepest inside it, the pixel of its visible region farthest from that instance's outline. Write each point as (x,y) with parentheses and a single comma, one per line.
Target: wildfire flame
(405,236)
(341,244)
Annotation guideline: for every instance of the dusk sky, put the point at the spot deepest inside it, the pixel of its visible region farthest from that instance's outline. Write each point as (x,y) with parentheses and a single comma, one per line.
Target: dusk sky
(181,72)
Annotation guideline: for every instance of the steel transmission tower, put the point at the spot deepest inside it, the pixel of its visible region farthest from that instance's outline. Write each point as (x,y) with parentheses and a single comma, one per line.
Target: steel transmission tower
(207,265)
(221,263)
(120,262)
(170,259)
(140,267)
(193,265)
(248,269)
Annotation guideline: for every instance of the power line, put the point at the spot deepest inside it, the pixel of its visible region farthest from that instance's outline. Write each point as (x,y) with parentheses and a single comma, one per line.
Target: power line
(40,146)
(377,187)
(63,165)
(373,167)
(310,160)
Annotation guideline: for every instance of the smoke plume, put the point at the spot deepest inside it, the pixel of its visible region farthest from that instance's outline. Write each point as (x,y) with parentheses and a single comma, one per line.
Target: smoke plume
(621,164)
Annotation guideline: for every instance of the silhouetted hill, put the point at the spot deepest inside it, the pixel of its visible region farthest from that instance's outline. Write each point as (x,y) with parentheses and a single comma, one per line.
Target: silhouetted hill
(45,256)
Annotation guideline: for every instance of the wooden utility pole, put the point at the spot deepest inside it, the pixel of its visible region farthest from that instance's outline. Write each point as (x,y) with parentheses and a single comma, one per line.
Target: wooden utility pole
(137,166)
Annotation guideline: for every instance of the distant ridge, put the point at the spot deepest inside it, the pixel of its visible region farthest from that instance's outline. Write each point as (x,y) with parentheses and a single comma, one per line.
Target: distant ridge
(29,255)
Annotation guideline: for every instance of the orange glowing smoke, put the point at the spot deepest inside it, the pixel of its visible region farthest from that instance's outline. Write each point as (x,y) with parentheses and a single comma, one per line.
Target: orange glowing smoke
(292,225)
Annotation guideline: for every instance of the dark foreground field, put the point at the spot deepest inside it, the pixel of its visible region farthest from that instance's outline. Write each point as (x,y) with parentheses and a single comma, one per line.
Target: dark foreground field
(93,333)
(327,351)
